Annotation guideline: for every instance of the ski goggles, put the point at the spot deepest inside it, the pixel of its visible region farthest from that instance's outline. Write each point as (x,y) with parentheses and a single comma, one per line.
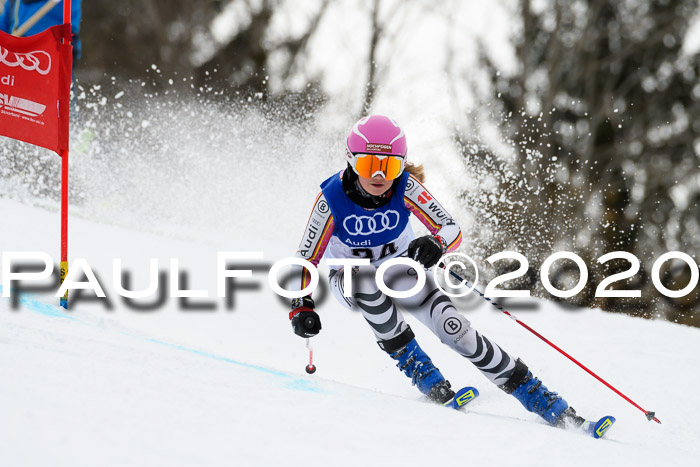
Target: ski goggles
(369,165)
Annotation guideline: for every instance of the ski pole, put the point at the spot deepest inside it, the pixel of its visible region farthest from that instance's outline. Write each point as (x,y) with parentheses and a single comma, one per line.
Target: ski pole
(650,415)
(310,368)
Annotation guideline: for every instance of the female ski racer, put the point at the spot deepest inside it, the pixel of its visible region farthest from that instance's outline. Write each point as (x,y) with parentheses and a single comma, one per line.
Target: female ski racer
(363,212)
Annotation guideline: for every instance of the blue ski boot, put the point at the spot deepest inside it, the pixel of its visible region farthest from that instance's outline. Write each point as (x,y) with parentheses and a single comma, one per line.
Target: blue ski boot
(416,364)
(538,399)
(535,396)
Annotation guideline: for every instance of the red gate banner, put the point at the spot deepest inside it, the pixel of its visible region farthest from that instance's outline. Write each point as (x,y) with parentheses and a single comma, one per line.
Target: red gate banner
(35,76)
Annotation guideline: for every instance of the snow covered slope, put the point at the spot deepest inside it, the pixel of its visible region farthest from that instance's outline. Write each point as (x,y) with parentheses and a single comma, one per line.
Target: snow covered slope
(175,385)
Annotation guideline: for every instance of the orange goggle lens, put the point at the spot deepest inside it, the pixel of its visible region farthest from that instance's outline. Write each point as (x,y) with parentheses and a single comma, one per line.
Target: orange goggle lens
(369,165)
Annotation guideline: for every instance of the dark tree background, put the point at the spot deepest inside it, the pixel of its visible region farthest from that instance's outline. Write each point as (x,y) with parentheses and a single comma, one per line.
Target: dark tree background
(602,121)
(129,36)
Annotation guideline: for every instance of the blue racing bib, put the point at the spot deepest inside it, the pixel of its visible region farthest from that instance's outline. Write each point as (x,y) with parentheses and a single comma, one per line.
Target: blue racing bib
(359,227)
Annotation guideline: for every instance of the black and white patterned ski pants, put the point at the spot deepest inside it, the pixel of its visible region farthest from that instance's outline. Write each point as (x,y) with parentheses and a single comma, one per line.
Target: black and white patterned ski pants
(430,306)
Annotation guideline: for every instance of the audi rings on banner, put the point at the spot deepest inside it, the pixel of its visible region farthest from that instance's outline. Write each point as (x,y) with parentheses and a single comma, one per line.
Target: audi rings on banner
(29,61)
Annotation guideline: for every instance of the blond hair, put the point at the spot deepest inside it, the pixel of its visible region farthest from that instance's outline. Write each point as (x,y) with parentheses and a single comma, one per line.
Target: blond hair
(416,170)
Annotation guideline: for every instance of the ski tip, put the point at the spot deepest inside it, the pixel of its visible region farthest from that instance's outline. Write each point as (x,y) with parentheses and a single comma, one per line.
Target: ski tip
(463,397)
(602,426)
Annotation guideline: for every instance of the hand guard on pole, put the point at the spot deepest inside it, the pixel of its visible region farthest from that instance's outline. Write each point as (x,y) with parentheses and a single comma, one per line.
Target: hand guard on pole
(305,321)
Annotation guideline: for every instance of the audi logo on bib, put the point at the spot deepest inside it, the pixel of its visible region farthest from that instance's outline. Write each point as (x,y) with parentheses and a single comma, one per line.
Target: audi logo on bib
(376,223)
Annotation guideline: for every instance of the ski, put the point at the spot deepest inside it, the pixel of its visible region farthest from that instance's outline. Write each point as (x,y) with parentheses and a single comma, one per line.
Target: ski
(462,398)
(594,429)
(599,428)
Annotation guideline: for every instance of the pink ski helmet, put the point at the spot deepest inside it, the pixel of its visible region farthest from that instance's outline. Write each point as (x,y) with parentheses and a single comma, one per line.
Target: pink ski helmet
(376,134)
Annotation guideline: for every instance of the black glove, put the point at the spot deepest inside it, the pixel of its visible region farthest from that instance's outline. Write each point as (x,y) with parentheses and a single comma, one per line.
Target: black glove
(427,250)
(305,321)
